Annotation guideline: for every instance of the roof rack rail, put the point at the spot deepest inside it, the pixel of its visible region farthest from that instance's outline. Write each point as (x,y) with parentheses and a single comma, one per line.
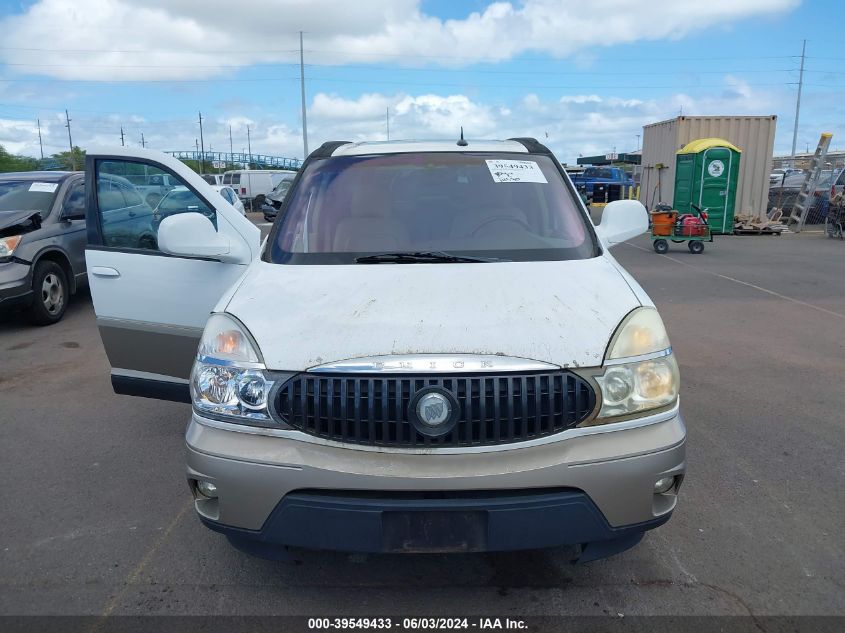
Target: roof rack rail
(327,149)
(532,145)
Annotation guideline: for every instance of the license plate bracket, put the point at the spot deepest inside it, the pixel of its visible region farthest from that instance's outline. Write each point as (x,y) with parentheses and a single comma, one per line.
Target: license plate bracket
(434,531)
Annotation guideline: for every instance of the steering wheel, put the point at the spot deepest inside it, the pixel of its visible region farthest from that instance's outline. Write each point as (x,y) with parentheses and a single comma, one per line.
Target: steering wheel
(502,218)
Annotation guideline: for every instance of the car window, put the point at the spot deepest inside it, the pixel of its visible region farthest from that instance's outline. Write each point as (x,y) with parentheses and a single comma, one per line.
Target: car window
(130,214)
(74,204)
(504,206)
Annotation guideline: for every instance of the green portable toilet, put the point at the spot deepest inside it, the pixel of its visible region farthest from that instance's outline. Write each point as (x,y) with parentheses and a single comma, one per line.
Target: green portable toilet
(706,174)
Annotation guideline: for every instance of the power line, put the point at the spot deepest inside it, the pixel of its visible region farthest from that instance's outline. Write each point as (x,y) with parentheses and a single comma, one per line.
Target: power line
(378,53)
(483,71)
(391,82)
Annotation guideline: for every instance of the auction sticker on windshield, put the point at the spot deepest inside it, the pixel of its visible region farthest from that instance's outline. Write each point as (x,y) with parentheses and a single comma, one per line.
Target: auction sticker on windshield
(44,187)
(515,171)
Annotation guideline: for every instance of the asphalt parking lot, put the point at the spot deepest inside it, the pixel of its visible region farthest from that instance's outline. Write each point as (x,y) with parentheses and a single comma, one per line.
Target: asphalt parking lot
(97,517)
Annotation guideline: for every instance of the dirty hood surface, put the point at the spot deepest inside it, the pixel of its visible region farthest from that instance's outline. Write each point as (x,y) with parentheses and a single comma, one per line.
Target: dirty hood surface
(561,312)
(28,219)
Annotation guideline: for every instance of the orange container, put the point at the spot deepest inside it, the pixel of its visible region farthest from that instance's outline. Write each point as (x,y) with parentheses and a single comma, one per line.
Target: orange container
(662,222)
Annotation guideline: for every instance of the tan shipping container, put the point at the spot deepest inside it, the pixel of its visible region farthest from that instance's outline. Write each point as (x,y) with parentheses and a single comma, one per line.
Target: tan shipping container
(754,135)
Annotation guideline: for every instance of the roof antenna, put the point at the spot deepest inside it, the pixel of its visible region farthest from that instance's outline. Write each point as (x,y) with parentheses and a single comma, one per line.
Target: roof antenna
(461,141)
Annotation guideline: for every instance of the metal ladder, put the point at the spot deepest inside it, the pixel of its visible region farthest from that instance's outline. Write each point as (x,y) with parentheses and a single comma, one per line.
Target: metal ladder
(805,196)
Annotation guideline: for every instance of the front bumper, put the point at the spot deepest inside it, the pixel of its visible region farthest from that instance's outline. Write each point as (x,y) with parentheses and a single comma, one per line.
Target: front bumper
(583,489)
(15,284)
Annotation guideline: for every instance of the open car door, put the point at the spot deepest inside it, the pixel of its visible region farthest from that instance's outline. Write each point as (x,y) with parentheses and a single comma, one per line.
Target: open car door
(152,299)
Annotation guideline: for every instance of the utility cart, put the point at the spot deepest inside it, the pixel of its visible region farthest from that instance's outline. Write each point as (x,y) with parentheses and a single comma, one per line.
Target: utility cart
(667,224)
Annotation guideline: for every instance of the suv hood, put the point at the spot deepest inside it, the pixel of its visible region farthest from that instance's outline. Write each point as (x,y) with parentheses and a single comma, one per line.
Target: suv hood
(24,221)
(560,312)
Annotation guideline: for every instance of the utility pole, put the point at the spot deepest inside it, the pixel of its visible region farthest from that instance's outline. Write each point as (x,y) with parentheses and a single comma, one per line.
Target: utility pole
(143,142)
(798,101)
(70,142)
(202,146)
(231,151)
(302,89)
(249,147)
(40,145)
(638,142)
(122,144)
(387,119)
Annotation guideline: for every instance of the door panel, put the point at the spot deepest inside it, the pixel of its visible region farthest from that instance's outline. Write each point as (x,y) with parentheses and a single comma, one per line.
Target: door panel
(151,306)
(713,193)
(74,237)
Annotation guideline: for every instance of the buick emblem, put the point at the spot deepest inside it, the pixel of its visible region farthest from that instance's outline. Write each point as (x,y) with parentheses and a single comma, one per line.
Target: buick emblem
(433,409)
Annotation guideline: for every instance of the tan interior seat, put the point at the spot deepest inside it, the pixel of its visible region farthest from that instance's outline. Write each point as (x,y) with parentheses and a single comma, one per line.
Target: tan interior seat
(371,226)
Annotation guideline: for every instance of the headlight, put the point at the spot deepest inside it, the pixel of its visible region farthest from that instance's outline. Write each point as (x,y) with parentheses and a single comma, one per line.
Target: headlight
(228,380)
(9,244)
(641,332)
(643,383)
(633,387)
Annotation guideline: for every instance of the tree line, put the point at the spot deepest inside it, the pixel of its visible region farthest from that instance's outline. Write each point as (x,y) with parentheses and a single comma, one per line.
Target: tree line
(61,160)
(67,161)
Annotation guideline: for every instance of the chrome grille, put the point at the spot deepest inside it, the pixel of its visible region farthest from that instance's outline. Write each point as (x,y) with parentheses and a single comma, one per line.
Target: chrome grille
(494,409)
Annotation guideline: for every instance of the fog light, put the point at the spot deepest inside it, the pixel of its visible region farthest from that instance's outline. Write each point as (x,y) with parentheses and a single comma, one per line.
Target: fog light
(207,489)
(663,485)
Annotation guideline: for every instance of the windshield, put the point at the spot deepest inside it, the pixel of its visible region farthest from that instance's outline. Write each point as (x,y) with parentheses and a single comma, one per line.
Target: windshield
(498,206)
(283,186)
(27,195)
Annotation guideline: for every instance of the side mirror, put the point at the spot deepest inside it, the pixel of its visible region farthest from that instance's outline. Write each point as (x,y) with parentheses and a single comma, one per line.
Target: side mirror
(621,220)
(191,235)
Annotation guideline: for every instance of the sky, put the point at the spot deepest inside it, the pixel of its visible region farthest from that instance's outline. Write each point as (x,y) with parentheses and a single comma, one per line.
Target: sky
(581,76)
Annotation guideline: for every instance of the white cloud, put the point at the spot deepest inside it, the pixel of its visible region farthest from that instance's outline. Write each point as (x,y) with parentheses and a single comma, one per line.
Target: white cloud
(575,124)
(178,39)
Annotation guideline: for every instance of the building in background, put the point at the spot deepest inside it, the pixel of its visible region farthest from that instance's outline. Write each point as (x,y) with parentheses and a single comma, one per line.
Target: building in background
(754,135)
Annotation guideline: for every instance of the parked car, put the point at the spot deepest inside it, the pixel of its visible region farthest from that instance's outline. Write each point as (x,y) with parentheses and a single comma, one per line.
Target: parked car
(785,194)
(252,185)
(180,199)
(432,351)
(155,187)
(230,196)
(42,242)
(213,179)
(778,176)
(273,200)
(594,182)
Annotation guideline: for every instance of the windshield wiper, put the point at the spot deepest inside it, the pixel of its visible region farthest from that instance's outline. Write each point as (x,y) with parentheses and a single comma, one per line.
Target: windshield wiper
(422,257)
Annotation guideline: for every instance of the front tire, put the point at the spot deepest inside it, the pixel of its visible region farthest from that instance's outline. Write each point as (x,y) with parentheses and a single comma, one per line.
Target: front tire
(661,247)
(50,293)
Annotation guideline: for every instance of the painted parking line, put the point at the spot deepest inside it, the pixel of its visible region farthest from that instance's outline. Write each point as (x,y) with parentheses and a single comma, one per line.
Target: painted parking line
(745,283)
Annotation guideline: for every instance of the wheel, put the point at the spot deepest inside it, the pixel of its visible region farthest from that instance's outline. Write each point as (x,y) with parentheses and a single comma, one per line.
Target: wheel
(661,247)
(153,199)
(50,293)
(695,247)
